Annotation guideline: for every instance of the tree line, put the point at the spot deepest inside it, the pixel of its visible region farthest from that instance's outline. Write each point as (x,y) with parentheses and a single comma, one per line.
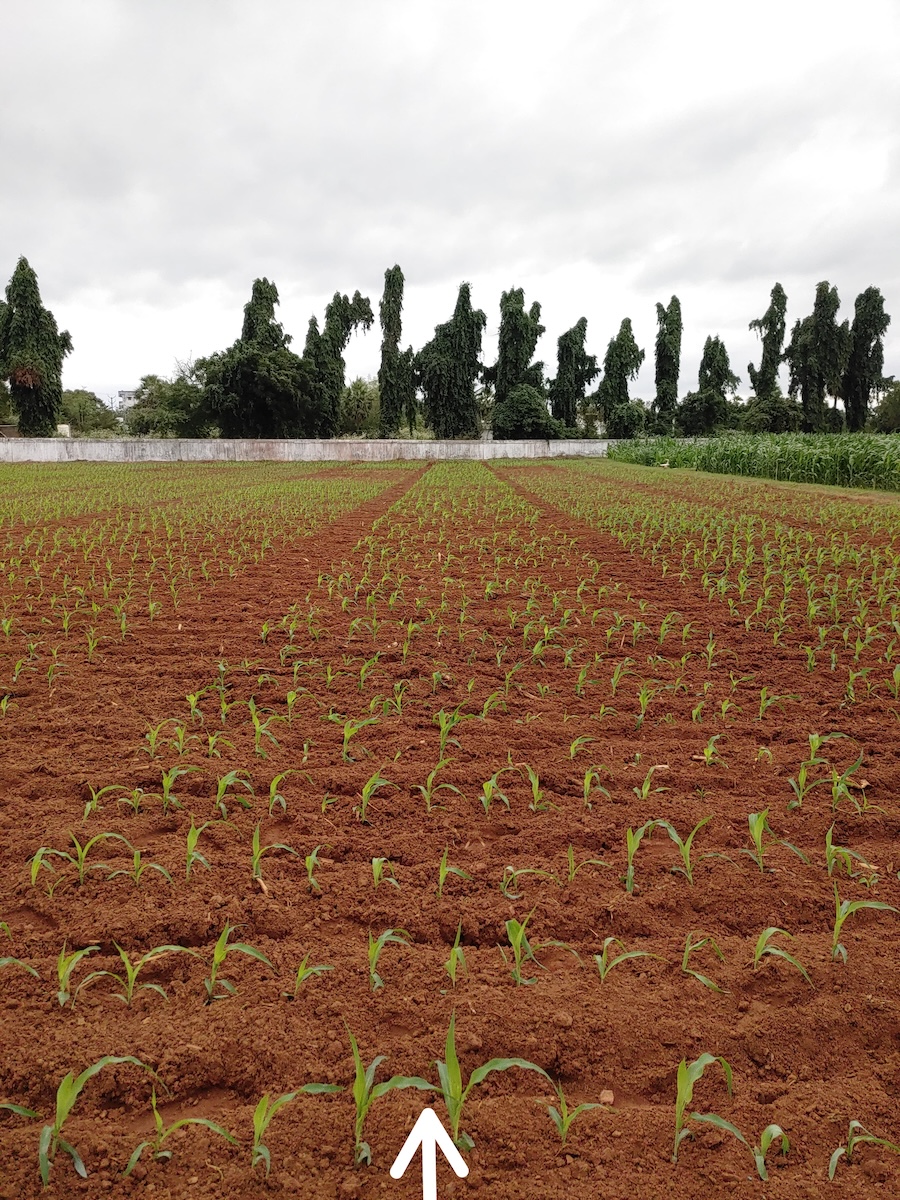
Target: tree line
(259,387)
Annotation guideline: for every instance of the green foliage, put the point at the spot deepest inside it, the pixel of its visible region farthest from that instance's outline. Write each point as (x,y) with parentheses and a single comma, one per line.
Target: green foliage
(84,412)
(817,355)
(172,407)
(623,417)
(575,372)
(865,362)
(360,407)
(516,344)
(668,364)
(523,414)
(31,354)
(447,368)
(707,409)
(258,387)
(771,328)
(886,418)
(323,356)
(396,381)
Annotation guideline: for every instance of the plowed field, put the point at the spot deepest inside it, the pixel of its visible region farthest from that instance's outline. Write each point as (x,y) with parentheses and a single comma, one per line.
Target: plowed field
(345,719)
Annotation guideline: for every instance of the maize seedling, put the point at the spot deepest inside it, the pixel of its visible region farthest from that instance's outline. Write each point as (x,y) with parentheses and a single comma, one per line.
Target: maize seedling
(455,1095)
(220,953)
(592,784)
(376,945)
(17,962)
(444,870)
(304,972)
(759,1152)
(759,826)
(232,779)
(844,909)
(366,1091)
(67,1093)
(457,959)
(562,1117)
(383,872)
(156,1143)
(845,857)
(696,941)
(128,982)
(368,790)
(605,964)
(78,859)
(429,789)
(763,948)
(684,847)
(258,851)
(266,1110)
(139,869)
(688,1076)
(858,1135)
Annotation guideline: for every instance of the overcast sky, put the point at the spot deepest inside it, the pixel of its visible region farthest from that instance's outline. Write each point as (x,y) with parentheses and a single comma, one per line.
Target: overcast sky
(158,155)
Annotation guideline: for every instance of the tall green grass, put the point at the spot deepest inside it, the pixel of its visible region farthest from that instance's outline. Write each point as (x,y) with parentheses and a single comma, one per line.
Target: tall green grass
(864,460)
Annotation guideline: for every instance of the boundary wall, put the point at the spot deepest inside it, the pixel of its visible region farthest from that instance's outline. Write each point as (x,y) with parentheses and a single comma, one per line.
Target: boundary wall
(120,450)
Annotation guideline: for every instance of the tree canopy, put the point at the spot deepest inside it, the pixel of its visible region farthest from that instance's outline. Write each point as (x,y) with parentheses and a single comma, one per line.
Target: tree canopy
(396,382)
(707,409)
(447,368)
(817,356)
(576,370)
(771,328)
(865,361)
(622,416)
(324,357)
(31,354)
(517,340)
(668,364)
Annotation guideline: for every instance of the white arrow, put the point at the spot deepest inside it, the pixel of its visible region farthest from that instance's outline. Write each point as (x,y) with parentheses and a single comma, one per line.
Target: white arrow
(429,1131)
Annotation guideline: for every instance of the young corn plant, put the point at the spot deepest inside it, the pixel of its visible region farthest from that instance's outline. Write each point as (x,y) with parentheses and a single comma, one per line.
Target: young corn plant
(304,972)
(67,1094)
(311,863)
(858,1135)
(128,980)
(139,869)
(430,789)
(490,791)
(843,856)
(770,1134)
(763,948)
(65,968)
(684,847)
(455,1094)
(758,824)
(539,801)
(696,941)
(383,872)
(522,951)
(688,1076)
(562,1117)
(266,1110)
(375,781)
(193,855)
(155,1144)
(803,785)
(366,1091)
(573,868)
(605,962)
(258,851)
(216,987)
(844,909)
(78,860)
(445,870)
(457,960)
(633,839)
(376,946)
(276,799)
(225,795)
(592,784)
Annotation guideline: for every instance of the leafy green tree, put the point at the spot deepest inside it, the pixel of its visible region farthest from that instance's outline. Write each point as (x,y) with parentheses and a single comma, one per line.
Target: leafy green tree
(84,412)
(705,410)
(622,416)
(6,413)
(576,370)
(817,356)
(360,407)
(865,362)
(771,328)
(668,365)
(774,413)
(523,414)
(396,382)
(447,368)
(324,356)
(173,407)
(258,388)
(31,354)
(886,418)
(516,344)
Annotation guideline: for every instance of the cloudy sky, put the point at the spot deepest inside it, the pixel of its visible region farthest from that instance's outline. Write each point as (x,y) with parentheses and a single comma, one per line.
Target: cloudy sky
(158,155)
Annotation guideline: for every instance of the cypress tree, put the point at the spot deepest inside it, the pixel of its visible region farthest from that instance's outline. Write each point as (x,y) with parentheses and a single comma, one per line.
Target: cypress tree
(575,372)
(865,362)
(395,377)
(516,344)
(324,354)
(623,417)
(817,356)
(771,328)
(31,354)
(706,408)
(668,364)
(447,368)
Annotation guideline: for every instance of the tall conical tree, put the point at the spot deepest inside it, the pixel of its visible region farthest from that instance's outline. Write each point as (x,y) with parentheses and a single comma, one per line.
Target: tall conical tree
(31,354)
(395,378)
(258,388)
(447,368)
(516,344)
(622,361)
(817,356)
(575,372)
(707,408)
(668,364)
(771,328)
(866,360)
(324,352)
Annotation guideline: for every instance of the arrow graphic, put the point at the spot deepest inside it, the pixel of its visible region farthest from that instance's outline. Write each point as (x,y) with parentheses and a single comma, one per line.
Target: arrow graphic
(429,1131)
